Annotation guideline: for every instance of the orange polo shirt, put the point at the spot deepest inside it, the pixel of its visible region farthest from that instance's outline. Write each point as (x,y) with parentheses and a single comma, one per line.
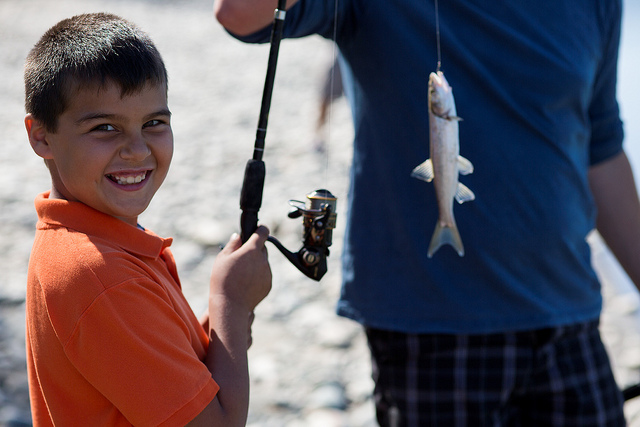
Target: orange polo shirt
(111,340)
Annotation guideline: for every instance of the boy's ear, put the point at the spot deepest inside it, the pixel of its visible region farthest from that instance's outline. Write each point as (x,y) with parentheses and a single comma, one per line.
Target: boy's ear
(37,137)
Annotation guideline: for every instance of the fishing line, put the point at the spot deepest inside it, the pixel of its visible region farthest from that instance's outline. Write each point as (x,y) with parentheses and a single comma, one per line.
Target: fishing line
(438,36)
(332,83)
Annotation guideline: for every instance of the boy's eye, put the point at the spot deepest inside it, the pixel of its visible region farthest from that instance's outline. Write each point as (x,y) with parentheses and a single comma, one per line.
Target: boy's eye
(104,127)
(152,123)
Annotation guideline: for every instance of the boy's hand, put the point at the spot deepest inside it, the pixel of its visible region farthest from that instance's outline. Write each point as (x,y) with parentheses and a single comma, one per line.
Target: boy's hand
(241,274)
(240,279)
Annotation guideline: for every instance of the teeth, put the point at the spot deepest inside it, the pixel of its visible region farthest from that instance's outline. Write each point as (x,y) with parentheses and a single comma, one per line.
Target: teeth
(124,180)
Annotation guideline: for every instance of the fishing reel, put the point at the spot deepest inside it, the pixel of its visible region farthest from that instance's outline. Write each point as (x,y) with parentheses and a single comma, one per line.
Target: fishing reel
(318,220)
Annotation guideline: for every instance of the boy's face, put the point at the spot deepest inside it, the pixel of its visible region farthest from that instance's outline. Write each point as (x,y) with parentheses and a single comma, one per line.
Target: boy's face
(109,152)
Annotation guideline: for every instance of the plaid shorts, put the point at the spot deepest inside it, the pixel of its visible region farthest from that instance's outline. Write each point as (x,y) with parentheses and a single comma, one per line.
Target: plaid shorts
(549,377)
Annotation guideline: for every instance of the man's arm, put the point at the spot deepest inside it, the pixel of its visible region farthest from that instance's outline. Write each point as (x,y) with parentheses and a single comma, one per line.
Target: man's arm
(241,278)
(243,17)
(618,221)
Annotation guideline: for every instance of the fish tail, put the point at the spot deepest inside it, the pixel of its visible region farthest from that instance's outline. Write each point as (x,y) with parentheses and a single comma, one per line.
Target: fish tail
(445,235)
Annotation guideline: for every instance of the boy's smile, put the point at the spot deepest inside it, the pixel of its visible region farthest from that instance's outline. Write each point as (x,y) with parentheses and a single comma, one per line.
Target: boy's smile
(109,152)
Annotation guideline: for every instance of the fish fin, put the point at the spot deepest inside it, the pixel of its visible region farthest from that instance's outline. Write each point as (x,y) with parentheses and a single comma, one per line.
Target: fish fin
(446,116)
(464,194)
(424,171)
(465,167)
(445,235)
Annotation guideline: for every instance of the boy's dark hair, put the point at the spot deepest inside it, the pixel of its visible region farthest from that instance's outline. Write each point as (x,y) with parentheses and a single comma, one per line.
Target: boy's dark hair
(86,50)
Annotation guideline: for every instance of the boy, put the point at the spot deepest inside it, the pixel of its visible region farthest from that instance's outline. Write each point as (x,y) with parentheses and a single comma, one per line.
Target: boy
(111,339)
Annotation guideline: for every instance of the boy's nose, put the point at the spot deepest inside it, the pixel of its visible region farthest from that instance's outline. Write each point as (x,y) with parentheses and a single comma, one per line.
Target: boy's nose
(135,148)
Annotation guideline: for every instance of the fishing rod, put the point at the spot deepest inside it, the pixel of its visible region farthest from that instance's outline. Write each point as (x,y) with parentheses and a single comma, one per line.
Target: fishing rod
(631,392)
(318,213)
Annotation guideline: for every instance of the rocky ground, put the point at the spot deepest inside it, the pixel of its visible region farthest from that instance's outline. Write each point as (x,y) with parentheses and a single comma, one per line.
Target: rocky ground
(308,366)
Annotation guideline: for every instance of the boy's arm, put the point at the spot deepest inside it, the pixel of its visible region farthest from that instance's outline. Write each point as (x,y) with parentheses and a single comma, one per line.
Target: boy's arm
(616,197)
(241,278)
(244,17)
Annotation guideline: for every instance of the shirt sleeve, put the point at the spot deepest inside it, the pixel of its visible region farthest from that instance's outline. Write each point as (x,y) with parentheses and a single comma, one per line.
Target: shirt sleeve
(309,17)
(606,127)
(134,348)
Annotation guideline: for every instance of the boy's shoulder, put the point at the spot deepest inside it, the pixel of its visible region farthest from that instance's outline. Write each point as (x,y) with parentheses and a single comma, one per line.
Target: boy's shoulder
(70,252)
(77,244)
(79,259)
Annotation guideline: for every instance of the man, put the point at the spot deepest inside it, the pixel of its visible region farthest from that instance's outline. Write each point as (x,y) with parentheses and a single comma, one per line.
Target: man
(507,334)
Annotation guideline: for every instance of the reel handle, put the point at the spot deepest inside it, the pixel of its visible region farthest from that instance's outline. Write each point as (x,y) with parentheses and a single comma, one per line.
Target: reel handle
(310,262)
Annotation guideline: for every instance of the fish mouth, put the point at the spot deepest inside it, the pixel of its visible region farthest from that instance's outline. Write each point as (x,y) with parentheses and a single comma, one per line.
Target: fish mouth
(128,178)
(436,78)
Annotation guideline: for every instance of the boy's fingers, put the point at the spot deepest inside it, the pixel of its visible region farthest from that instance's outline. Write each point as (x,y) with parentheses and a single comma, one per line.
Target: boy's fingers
(234,243)
(259,237)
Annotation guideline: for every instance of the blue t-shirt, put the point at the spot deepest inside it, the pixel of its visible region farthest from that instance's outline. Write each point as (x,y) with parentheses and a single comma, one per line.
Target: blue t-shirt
(535,83)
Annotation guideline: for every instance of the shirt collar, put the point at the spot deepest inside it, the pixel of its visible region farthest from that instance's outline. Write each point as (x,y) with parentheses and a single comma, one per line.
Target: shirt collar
(54,213)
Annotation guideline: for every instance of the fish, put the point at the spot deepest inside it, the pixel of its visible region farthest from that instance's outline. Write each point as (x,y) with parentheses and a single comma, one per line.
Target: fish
(445,164)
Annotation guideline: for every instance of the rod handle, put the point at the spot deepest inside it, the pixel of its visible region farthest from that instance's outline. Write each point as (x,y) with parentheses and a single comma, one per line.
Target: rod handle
(251,197)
